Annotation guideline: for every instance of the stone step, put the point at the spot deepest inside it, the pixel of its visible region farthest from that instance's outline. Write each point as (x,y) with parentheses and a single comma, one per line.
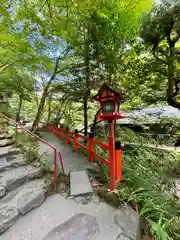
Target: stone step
(79,183)
(12,178)
(6,142)
(12,161)
(20,201)
(5,136)
(8,151)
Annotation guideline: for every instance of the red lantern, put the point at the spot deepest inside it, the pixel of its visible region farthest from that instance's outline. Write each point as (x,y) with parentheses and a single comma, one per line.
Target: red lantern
(109,99)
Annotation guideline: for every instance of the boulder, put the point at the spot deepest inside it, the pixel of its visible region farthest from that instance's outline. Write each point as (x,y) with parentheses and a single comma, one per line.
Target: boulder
(128,220)
(80,226)
(8,216)
(30,199)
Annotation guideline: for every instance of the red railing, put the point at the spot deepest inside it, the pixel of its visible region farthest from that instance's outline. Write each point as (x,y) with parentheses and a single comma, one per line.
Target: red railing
(43,141)
(114,161)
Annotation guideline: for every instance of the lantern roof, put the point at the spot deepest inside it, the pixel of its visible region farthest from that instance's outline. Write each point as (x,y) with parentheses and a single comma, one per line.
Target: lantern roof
(106,91)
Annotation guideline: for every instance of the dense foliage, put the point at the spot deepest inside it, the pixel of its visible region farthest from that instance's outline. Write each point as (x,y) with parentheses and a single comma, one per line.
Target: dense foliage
(56,54)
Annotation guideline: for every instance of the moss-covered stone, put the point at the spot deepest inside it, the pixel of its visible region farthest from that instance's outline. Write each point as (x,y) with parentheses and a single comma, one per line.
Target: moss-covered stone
(110,197)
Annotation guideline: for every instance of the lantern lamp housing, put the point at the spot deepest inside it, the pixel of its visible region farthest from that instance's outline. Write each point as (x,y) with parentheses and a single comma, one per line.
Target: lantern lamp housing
(109,99)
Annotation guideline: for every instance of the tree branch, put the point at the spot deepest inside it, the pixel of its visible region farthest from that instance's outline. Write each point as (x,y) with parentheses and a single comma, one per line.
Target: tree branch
(158,59)
(65,52)
(6,65)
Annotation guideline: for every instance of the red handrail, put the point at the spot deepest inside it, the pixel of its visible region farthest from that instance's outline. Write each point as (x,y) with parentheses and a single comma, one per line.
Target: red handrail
(115,154)
(45,142)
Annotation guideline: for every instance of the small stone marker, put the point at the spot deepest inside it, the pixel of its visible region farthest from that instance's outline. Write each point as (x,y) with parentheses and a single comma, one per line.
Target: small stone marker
(80,183)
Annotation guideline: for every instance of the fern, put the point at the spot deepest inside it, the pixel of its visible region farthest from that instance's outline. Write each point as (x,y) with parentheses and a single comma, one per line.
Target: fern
(172,226)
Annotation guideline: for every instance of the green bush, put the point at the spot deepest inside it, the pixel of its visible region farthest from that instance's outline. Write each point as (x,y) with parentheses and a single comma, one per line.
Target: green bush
(149,176)
(28,144)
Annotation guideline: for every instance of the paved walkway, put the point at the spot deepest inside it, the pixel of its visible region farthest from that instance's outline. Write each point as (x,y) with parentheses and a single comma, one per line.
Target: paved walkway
(114,224)
(72,161)
(56,209)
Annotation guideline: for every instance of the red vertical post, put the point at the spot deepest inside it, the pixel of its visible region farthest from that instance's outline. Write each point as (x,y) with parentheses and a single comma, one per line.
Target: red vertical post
(118,159)
(61,132)
(91,147)
(112,166)
(55,167)
(56,132)
(67,136)
(75,140)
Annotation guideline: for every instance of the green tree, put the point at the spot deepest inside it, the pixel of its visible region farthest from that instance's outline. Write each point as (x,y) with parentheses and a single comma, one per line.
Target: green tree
(160,29)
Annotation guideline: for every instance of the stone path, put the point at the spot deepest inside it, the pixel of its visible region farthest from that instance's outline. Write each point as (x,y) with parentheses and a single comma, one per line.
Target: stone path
(113,224)
(72,160)
(22,194)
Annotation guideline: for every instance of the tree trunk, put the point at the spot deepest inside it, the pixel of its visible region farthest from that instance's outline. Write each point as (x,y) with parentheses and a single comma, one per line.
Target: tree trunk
(19,108)
(40,108)
(87,78)
(93,127)
(44,96)
(171,99)
(49,108)
(85,103)
(60,112)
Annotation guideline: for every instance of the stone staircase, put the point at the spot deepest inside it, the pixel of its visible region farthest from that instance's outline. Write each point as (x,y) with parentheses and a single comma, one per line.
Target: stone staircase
(22,186)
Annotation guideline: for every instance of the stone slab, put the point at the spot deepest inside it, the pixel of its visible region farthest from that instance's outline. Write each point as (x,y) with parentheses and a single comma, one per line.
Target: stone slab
(79,182)
(79,226)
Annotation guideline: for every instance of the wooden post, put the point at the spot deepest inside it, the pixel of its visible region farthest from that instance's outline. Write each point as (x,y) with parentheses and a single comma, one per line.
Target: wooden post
(112,167)
(118,157)
(76,140)
(91,147)
(67,135)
